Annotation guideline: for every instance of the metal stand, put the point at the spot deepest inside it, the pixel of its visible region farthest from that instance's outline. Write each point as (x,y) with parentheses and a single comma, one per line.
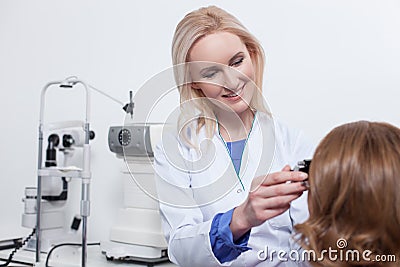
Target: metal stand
(85,174)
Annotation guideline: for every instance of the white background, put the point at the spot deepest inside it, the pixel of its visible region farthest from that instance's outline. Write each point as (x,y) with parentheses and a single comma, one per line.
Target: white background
(328,62)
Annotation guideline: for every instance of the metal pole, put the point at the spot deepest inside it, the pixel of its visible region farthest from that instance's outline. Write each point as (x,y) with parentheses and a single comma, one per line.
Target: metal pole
(39,196)
(85,202)
(85,213)
(39,179)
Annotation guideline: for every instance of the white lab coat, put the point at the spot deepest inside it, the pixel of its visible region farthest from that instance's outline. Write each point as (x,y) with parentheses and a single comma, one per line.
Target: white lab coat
(193,188)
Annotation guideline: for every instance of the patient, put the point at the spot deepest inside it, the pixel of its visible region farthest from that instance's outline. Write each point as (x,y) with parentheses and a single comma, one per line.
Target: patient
(354,197)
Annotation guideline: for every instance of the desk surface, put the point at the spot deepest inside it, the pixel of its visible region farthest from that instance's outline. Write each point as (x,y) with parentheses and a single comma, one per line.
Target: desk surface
(71,257)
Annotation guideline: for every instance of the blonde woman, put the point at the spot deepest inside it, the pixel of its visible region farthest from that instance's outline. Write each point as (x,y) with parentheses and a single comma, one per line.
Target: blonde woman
(223,179)
(354,197)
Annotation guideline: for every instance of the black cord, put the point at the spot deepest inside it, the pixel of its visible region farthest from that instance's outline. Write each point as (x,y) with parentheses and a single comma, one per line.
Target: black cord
(10,257)
(66,244)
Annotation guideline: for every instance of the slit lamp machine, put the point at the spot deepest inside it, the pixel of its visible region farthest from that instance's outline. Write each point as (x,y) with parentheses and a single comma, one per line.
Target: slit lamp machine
(136,235)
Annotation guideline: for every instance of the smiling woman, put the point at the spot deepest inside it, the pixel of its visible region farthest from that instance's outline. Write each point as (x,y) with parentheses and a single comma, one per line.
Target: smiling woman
(226,190)
(212,36)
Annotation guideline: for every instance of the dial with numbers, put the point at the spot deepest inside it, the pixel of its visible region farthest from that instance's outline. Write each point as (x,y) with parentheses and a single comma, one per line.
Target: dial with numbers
(124,137)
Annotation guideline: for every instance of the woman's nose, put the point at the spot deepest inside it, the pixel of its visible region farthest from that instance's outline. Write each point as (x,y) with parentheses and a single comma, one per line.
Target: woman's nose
(231,79)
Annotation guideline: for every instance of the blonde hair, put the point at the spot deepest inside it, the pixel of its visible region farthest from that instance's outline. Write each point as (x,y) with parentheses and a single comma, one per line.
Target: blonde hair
(190,29)
(354,192)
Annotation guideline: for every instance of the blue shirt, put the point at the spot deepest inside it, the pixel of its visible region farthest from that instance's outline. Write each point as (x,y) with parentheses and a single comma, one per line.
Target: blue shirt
(221,238)
(236,150)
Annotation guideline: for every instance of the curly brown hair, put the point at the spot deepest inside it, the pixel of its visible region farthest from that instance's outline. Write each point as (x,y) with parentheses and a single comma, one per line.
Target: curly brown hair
(354,194)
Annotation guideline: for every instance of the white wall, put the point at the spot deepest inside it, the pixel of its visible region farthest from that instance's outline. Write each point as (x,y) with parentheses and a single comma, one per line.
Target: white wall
(328,62)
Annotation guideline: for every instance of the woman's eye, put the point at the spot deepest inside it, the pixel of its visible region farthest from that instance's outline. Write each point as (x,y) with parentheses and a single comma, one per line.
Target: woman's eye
(209,75)
(237,62)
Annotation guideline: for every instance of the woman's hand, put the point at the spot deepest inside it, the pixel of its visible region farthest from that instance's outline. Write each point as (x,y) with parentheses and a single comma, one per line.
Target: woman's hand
(269,196)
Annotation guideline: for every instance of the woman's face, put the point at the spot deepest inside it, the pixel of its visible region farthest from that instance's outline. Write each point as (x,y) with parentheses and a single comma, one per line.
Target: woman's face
(221,67)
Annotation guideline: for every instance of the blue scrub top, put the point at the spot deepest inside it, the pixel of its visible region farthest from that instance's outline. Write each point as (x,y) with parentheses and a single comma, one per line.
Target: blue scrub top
(236,150)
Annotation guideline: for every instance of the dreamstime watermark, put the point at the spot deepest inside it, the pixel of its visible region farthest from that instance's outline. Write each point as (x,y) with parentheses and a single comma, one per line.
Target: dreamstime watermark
(340,253)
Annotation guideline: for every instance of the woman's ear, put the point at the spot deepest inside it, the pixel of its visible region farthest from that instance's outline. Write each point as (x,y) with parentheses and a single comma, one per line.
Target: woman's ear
(194,85)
